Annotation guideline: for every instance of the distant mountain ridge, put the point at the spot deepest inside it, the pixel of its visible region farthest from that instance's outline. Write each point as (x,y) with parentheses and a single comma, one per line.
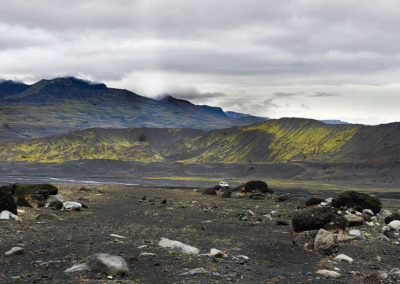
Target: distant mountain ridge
(281,140)
(62,105)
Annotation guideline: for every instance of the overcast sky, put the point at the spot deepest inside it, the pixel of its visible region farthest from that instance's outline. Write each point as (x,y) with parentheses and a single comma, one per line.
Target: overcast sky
(299,58)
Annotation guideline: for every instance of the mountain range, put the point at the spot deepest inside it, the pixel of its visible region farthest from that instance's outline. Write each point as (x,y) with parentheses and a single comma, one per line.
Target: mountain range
(62,105)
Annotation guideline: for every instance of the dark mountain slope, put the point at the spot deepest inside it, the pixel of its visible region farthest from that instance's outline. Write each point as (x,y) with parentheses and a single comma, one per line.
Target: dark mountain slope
(11,88)
(282,140)
(63,105)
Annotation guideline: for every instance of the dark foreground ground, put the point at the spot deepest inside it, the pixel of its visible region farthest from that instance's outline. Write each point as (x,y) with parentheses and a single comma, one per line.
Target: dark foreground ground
(198,220)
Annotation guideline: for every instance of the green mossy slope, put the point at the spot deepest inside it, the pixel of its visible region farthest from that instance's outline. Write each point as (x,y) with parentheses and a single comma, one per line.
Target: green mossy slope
(288,139)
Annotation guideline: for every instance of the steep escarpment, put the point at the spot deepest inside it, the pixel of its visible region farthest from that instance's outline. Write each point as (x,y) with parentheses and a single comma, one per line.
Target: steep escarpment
(282,140)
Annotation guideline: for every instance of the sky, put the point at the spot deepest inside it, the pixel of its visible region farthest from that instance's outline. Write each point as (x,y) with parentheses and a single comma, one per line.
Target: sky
(295,58)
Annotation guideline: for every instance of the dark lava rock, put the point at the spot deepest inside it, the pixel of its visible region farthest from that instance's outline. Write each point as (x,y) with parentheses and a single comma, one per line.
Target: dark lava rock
(35,191)
(313,201)
(257,196)
(313,218)
(227,194)
(7,201)
(338,222)
(358,201)
(210,191)
(305,239)
(281,223)
(22,202)
(164,201)
(283,197)
(394,216)
(257,186)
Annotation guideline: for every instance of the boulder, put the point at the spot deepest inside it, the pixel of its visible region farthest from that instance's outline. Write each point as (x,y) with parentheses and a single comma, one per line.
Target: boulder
(227,194)
(313,201)
(7,215)
(392,217)
(325,242)
(394,225)
(305,239)
(358,201)
(176,245)
(55,202)
(257,186)
(211,190)
(353,220)
(14,250)
(35,191)
(7,201)
(328,273)
(109,264)
(22,202)
(313,218)
(343,257)
(72,205)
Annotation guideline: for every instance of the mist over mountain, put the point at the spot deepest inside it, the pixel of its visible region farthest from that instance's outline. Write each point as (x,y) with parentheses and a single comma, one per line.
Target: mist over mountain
(62,105)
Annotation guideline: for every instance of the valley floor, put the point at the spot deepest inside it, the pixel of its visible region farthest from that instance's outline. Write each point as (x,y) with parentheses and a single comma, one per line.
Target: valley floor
(143,215)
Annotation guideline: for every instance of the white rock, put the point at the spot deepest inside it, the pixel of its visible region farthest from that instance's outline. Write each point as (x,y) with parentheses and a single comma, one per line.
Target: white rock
(14,250)
(249,213)
(142,246)
(216,253)
(7,215)
(328,273)
(395,273)
(269,217)
(323,203)
(20,211)
(195,271)
(243,256)
(148,254)
(343,257)
(383,275)
(385,228)
(108,264)
(368,212)
(176,245)
(371,224)
(117,236)
(275,214)
(72,205)
(78,267)
(55,198)
(329,200)
(394,225)
(355,233)
(324,240)
(383,238)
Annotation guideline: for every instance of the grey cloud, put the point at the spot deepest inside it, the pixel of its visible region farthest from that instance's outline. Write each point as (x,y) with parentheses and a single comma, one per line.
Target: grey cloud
(294,39)
(325,94)
(193,94)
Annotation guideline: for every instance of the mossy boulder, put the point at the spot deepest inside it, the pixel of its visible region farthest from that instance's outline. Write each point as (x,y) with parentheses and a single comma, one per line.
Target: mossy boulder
(35,191)
(257,186)
(313,201)
(7,201)
(313,218)
(357,200)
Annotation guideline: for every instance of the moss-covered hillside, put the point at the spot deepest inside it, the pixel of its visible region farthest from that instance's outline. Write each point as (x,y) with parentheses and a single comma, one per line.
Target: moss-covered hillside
(288,139)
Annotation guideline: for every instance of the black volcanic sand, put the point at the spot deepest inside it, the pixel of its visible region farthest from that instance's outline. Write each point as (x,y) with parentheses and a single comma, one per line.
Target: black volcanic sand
(53,246)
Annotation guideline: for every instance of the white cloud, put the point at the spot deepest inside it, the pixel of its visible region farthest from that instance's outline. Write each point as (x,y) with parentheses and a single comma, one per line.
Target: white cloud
(247,50)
